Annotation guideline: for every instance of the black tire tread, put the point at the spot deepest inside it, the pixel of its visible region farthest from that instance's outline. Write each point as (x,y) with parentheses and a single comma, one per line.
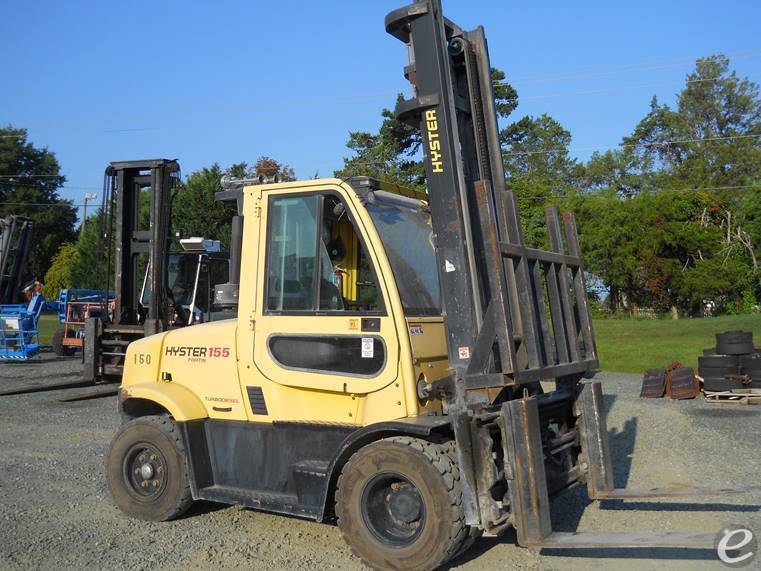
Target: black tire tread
(442,458)
(473,533)
(168,426)
(57,342)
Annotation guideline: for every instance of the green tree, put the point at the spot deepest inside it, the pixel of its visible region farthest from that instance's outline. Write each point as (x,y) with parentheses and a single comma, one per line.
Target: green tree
(691,176)
(196,213)
(610,234)
(59,276)
(539,169)
(90,267)
(29,181)
(392,154)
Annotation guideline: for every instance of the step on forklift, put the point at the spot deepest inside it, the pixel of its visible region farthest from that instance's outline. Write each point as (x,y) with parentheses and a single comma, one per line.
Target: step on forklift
(155,289)
(406,366)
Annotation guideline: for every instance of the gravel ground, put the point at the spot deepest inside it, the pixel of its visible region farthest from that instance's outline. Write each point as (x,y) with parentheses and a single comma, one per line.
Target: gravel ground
(55,511)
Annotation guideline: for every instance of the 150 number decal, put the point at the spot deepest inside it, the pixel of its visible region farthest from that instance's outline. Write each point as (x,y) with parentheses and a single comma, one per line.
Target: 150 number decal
(142,359)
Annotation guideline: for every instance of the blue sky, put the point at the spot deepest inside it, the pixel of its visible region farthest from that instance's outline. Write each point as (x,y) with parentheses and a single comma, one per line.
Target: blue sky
(228,81)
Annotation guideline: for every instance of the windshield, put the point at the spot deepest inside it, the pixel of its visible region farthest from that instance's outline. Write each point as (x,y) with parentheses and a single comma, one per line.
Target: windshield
(405,230)
(181,277)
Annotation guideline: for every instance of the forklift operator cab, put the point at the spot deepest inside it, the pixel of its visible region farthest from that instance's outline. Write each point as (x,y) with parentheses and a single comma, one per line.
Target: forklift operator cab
(329,298)
(327,312)
(338,320)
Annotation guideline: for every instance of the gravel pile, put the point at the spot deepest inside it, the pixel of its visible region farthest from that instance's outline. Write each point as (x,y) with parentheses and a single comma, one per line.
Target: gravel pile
(55,511)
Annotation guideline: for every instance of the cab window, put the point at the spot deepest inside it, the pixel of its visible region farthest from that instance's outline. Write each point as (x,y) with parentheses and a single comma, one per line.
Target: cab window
(316,261)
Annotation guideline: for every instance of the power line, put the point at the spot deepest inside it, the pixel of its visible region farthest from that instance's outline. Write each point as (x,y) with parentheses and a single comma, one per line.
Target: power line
(517,153)
(695,189)
(643,66)
(534,197)
(65,187)
(511,154)
(613,89)
(45,204)
(633,145)
(21,175)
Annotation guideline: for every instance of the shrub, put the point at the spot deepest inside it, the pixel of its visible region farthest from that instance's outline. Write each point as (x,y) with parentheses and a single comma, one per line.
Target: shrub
(59,275)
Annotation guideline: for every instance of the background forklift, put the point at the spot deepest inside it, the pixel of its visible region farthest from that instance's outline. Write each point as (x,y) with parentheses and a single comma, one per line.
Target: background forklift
(20,307)
(15,243)
(448,401)
(155,289)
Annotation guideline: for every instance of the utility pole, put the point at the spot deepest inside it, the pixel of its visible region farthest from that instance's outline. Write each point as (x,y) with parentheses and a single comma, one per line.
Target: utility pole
(88,196)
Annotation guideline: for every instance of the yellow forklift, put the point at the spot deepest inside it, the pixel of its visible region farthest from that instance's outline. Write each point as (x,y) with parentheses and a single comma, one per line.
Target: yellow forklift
(385,367)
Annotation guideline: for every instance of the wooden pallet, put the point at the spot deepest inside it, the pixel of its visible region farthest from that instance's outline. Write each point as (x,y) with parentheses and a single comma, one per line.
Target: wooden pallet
(735,396)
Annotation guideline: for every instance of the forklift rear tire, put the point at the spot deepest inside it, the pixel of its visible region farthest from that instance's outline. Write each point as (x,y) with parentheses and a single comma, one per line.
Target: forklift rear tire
(146,469)
(399,504)
(58,347)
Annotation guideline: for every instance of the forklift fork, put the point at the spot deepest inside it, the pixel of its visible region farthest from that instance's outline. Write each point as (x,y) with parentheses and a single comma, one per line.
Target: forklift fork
(527,483)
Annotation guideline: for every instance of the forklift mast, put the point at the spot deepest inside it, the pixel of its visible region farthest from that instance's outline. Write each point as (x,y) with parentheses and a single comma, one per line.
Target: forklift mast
(15,243)
(137,246)
(500,332)
(504,332)
(125,182)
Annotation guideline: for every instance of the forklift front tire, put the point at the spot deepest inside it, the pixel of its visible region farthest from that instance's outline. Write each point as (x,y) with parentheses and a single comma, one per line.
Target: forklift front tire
(399,504)
(147,471)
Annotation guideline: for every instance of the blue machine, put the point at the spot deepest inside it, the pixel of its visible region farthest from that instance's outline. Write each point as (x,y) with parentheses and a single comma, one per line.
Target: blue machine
(19,340)
(67,296)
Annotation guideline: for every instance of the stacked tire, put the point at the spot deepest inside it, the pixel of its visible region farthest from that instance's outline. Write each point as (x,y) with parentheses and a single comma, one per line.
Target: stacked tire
(727,366)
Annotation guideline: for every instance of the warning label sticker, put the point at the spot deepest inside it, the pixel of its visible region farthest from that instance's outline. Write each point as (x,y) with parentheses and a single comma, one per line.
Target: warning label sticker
(416,329)
(367,348)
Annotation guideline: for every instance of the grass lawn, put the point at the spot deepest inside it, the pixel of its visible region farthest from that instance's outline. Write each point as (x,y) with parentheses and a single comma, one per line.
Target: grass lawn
(46,326)
(633,346)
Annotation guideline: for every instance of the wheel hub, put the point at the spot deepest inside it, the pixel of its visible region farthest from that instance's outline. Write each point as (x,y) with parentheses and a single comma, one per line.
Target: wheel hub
(404,503)
(145,470)
(393,509)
